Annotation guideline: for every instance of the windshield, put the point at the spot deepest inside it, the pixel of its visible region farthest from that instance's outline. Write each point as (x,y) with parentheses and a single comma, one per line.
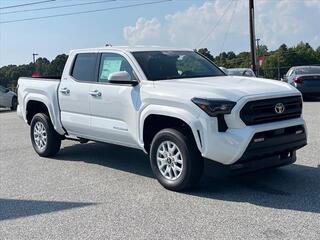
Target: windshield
(163,65)
(308,70)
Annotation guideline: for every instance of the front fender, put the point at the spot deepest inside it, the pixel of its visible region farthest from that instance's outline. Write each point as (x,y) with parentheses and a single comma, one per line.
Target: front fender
(182,114)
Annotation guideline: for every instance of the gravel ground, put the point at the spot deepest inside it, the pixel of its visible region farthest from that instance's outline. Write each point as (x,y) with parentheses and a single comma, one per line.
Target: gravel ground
(100,191)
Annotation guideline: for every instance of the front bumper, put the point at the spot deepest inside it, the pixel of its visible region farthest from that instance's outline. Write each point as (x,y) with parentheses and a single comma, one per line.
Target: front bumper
(237,145)
(272,148)
(277,160)
(268,149)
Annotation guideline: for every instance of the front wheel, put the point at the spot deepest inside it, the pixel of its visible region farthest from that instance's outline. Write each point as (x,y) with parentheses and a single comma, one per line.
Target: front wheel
(175,159)
(45,140)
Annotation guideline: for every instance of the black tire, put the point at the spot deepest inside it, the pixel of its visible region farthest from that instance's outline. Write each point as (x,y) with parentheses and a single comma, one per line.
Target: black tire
(14,104)
(53,142)
(192,161)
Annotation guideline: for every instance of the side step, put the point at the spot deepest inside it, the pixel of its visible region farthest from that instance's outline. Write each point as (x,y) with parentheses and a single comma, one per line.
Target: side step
(77,139)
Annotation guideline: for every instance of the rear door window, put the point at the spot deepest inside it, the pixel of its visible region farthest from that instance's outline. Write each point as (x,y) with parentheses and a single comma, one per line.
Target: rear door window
(84,68)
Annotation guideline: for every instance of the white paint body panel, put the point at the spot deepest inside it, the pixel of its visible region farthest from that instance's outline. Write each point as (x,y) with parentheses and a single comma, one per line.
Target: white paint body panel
(118,115)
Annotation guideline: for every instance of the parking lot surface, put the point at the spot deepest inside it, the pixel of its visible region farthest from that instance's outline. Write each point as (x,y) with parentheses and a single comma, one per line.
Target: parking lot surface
(101,191)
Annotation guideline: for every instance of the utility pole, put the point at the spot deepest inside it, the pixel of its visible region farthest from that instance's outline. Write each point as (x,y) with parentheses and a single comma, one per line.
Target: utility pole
(257,57)
(279,77)
(252,36)
(34,57)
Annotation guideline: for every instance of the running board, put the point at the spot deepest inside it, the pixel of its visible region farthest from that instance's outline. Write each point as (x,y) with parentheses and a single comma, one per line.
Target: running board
(77,139)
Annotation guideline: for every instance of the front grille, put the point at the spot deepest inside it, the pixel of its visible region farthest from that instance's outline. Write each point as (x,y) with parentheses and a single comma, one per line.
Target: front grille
(263,111)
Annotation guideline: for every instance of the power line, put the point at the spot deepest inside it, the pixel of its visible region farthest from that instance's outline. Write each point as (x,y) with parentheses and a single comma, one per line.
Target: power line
(204,39)
(229,25)
(27,4)
(55,7)
(83,12)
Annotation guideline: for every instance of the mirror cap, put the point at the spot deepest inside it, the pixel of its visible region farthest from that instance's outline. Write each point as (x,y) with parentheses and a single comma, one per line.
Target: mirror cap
(122,77)
(119,76)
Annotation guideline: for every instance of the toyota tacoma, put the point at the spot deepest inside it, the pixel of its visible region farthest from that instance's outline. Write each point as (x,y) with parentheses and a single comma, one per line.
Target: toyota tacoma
(173,104)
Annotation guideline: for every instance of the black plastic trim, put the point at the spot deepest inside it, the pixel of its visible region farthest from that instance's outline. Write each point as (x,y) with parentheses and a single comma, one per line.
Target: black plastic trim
(222,125)
(262,111)
(275,142)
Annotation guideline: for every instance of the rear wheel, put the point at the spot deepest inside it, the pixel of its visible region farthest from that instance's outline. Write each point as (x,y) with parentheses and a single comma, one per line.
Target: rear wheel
(175,160)
(14,104)
(45,140)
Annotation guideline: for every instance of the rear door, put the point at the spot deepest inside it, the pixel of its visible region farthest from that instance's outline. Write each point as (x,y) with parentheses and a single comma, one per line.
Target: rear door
(74,97)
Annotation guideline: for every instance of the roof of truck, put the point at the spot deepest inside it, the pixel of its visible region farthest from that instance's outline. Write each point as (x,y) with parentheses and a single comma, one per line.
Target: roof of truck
(133,48)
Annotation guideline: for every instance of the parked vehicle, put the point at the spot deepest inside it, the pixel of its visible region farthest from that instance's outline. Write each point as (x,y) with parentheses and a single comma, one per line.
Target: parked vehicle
(224,70)
(8,99)
(175,105)
(306,79)
(246,72)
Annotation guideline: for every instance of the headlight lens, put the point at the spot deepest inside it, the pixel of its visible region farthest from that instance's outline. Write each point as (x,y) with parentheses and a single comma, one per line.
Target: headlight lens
(214,107)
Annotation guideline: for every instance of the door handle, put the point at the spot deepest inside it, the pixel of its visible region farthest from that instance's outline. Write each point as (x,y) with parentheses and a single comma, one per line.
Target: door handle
(65,91)
(95,93)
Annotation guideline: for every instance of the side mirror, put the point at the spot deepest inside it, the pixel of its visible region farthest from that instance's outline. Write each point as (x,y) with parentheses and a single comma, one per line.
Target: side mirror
(122,77)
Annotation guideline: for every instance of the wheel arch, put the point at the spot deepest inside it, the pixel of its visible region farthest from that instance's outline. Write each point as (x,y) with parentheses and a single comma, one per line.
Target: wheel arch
(36,104)
(155,118)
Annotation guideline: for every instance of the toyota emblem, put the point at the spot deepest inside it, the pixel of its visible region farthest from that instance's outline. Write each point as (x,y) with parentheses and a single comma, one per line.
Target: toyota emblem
(279,108)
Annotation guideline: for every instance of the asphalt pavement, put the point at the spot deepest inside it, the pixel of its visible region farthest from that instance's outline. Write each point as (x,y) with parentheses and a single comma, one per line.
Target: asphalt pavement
(101,191)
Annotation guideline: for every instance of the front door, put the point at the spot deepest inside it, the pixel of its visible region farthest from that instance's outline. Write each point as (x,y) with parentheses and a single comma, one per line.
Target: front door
(113,111)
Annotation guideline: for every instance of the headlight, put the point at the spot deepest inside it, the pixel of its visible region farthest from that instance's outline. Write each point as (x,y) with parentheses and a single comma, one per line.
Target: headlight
(214,107)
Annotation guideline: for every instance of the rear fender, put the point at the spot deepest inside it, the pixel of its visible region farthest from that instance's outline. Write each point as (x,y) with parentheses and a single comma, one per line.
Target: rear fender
(53,109)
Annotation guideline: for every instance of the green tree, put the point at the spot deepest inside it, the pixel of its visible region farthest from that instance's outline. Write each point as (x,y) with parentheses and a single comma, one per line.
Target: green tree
(205,52)
(10,74)
(42,65)
(56,66)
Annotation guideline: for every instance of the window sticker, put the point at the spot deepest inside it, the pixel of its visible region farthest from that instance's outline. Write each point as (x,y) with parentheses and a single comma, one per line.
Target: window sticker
(110,65)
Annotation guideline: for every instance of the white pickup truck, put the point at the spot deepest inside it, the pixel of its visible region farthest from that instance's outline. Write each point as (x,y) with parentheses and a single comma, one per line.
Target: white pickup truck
(175,105)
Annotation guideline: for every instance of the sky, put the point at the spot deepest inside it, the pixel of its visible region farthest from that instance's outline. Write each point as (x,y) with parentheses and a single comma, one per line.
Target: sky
(219,25)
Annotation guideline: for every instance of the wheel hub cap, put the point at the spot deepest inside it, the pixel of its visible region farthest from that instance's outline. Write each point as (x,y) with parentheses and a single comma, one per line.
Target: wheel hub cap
(169,160)
(40,135)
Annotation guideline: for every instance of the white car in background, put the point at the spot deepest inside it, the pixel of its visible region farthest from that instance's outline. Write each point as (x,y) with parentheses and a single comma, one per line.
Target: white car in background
(244,72)
(8,99)
(224,70)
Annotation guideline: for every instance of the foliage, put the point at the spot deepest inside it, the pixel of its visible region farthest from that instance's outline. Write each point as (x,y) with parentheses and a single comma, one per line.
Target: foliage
(10,74)
(276,63)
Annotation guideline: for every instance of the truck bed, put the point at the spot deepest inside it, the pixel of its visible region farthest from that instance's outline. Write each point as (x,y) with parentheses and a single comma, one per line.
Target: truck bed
(44,90)
(50,78)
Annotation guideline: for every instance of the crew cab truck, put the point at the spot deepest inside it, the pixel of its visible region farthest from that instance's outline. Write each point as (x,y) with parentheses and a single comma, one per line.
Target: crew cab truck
(174,104)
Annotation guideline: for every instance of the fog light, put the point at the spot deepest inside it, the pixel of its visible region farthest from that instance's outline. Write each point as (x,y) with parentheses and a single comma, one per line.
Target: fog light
(299,131)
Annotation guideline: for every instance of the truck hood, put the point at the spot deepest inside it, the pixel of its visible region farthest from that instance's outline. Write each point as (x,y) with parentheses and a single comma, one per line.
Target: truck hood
(225,87)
